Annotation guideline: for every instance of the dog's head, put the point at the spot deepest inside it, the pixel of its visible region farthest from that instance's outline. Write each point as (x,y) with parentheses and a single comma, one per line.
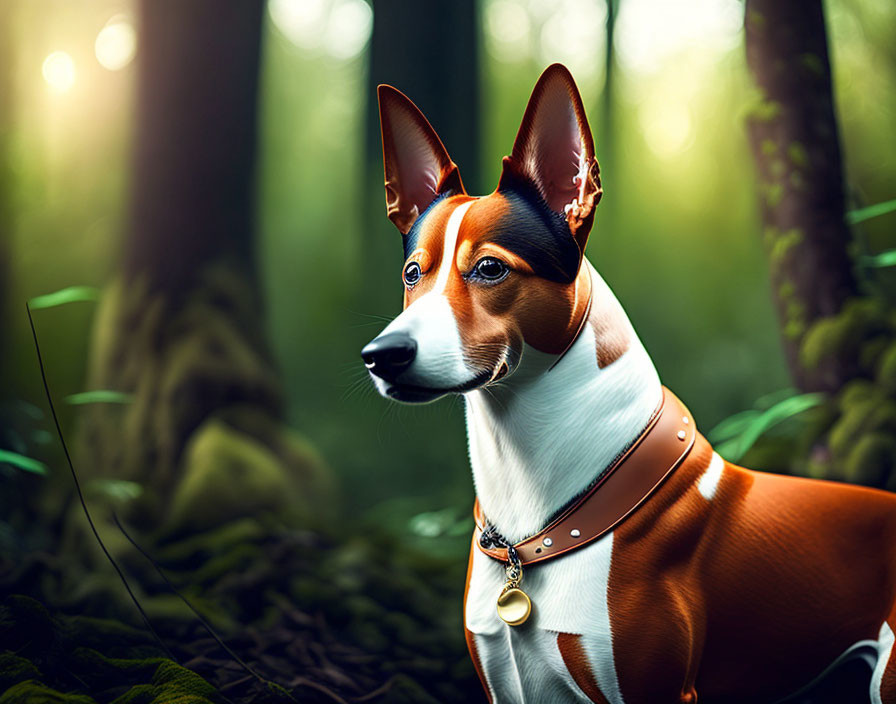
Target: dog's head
(483,276)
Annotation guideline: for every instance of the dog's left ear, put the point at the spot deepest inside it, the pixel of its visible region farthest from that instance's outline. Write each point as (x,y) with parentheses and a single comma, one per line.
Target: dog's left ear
(554,152)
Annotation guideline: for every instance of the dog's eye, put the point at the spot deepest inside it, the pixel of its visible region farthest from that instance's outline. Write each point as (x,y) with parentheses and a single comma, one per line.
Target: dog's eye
(412,274)
(490,269)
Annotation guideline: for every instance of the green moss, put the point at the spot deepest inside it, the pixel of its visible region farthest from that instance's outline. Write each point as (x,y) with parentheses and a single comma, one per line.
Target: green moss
(886,369)
(764,110)
(841,336)
(778,168)
(228,474)
(31,692)
(794,329)
(15,669)
(872,460)
(784,244)
(850,426)
(768,147)
(774,193)
(798,155)
(854,392)
(98,670)
(797,181)
(786,290)
(874,415)
(178,685)
(172,684)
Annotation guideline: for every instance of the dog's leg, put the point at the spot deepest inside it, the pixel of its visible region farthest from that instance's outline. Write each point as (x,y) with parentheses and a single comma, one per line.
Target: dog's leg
(883,682)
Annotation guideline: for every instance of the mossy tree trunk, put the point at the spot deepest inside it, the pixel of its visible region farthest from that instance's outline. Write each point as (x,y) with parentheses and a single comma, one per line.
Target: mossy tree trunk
(430,52)
(794,139)
(181,328)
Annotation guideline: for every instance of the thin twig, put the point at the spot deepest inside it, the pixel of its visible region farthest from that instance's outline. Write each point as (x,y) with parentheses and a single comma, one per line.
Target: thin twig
(71,466)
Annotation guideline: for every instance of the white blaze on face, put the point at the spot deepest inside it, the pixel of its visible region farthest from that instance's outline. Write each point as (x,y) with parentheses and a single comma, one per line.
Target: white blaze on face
(431,322)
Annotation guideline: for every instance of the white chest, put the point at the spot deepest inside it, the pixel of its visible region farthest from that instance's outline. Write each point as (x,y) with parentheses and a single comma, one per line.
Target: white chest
(569,595)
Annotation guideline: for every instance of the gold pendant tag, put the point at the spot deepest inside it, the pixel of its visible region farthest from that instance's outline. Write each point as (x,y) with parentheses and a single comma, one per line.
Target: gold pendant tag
(514,605)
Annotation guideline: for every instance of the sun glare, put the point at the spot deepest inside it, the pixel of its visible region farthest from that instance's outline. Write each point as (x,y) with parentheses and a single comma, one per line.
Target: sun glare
(116,44)
(59,72)
(339,27)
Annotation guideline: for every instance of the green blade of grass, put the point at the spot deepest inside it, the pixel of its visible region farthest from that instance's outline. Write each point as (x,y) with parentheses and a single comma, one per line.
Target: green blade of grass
(99,396)
(872,211)
(778,413)
(29,464)
(72,294)
(732,426)
(880,260)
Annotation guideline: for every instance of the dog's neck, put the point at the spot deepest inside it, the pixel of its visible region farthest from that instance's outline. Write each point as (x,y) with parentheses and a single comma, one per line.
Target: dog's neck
(540,437)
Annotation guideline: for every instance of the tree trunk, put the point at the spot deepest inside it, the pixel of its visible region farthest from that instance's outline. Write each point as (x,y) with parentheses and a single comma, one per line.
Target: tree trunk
(181,328)
(793,135)
(429,52)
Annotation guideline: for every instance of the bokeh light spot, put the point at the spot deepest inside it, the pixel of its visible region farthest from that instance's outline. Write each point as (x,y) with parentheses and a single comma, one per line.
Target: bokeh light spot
(340,27)
(59,71)
(507,30)
(116,44)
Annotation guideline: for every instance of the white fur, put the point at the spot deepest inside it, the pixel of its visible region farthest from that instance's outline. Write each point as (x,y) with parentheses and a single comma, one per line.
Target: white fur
(449,246)
(568,596)
(430,320)
(885,651)
(538,438)
(709,482)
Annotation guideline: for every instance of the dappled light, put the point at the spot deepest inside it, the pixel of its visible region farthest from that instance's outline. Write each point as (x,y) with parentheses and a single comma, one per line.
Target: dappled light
(59,72)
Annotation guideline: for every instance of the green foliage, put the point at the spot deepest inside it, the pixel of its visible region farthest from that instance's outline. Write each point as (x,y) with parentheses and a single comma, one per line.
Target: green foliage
(32,692)
(72,294)
(880,260)
(99,396)
(117,489)
(737,434)
(872,211)
(15,669)
(29,464)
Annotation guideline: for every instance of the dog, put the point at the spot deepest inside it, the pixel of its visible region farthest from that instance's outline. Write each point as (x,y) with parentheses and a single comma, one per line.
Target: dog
(616,557)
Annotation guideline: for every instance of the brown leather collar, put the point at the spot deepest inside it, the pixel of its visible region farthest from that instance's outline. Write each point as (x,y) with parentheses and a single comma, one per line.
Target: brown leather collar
(620,490)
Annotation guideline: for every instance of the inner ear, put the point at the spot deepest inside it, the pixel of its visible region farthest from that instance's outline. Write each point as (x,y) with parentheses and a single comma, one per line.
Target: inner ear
(416,164)
(554,152)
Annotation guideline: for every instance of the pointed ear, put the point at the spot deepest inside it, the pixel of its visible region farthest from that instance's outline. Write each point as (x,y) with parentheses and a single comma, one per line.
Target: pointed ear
(554,152)
(417,167)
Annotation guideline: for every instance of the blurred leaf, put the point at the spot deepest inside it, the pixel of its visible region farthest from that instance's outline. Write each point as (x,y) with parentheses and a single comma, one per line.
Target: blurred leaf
(883,259)
(72,294)
(432,524)
(770,399)
(99,396)
(732,426)
(872,211)
(119,489)
(26,463)
(735,448)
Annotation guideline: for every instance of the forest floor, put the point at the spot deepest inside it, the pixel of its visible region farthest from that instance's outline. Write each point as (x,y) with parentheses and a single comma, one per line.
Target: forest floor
(306,618)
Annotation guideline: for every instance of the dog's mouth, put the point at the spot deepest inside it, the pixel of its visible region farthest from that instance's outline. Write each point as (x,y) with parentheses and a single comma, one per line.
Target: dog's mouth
(413,393)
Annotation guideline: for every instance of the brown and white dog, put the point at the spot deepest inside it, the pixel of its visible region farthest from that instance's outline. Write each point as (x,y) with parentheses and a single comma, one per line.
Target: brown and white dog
(737,585)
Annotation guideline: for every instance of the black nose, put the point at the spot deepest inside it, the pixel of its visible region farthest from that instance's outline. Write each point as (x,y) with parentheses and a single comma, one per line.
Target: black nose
(389,355)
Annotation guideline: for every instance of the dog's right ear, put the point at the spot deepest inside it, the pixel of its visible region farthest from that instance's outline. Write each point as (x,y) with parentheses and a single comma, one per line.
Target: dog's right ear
(418,169)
